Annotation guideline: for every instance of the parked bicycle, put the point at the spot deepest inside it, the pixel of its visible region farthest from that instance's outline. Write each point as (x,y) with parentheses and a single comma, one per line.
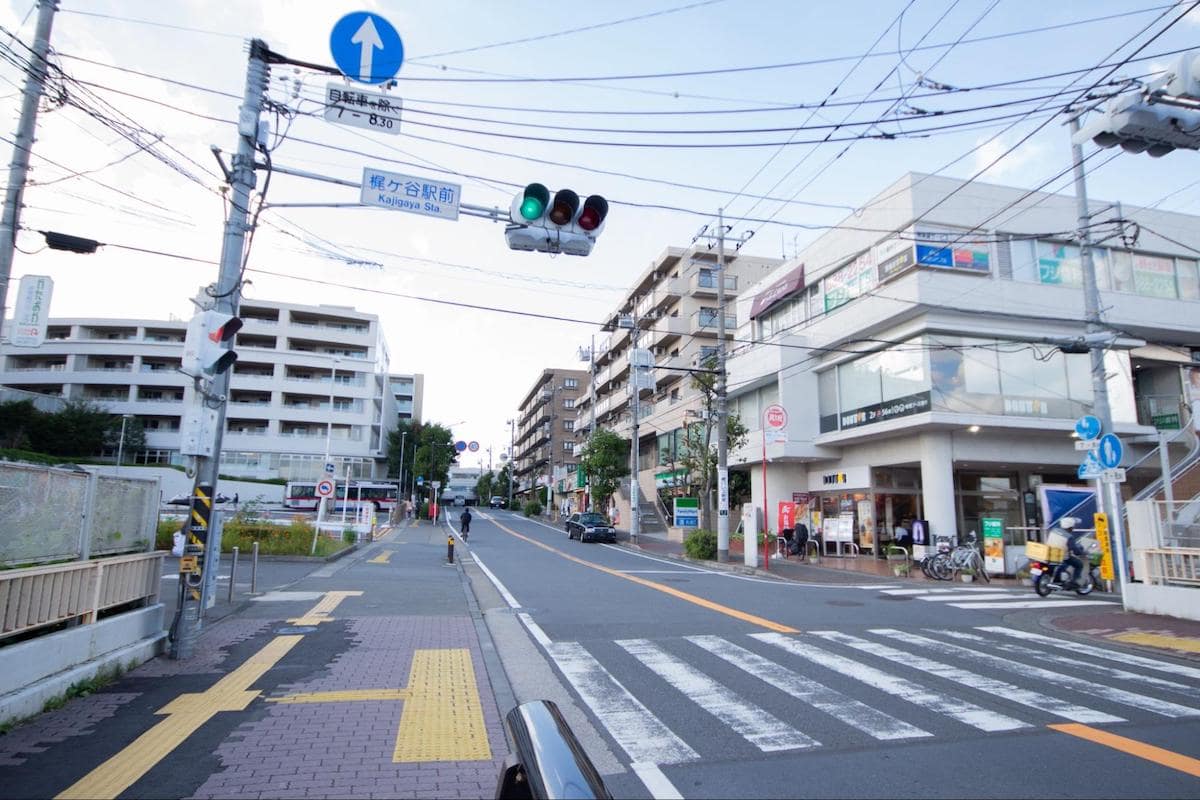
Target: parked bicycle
(947,562)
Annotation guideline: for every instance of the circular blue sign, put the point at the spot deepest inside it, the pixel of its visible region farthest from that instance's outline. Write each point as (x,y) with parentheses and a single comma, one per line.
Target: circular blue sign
(420,480)
(460,445)
(366,47)
(1088,427)
(1110,451)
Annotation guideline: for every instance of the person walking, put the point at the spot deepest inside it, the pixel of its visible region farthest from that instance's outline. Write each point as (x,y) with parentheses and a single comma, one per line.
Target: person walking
(464,521)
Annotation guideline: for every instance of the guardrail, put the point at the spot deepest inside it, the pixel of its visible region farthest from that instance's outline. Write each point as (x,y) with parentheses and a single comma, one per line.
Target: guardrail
(1175,565)
(39,596)
(547,760)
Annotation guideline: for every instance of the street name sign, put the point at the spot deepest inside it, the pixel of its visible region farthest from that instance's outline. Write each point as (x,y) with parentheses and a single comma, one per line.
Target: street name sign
(366,47)
(370,110)
(1113,475)
(410,194)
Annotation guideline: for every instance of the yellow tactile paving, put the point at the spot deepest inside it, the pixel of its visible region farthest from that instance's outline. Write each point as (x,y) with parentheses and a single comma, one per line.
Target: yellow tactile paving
(346,695)
(321,611)
(443,717)
(185,715)
(382,558)
(1159,640)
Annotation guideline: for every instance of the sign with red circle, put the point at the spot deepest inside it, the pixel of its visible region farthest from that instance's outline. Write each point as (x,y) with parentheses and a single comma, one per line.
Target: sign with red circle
(775,417)
(325,488)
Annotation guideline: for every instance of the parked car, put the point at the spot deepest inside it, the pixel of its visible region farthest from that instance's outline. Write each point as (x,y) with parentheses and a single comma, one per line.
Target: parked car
(496,502)
(590,526)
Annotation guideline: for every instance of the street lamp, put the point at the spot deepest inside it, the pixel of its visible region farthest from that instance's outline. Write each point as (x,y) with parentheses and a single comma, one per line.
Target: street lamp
(121,444)
(400,484)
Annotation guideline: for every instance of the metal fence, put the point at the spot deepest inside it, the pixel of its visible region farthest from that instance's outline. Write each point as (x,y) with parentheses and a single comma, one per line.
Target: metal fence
(53,514)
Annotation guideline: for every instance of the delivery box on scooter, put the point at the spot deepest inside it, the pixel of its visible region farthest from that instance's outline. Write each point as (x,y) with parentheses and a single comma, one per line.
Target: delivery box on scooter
(1043,552)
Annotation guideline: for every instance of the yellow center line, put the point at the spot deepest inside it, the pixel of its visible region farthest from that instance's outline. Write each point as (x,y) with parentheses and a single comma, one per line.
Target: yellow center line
(1149,752)
(382,558)
(686,596)
(1159,640)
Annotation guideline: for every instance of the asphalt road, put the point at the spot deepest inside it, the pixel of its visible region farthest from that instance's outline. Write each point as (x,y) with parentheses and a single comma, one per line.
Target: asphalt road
(689,682)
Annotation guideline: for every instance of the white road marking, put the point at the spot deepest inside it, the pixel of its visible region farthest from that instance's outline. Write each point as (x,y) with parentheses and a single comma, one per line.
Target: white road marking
(508,598)
(1079,665)
(759,727)
(641,734)
(996,688)
(1040,603)
(937,701)
(1098,652)
(535,630)
(655,571)
(870,721)
(950,599)
(1033,673)
(659,785)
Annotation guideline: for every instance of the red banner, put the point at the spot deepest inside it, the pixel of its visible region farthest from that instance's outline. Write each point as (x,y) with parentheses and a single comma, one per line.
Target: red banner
(787,515)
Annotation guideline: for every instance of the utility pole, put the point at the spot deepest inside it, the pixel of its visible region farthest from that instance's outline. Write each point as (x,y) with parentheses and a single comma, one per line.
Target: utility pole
(1108,495)
(227,298)
(635,517)
(722,389)
(512,459)
(18,168)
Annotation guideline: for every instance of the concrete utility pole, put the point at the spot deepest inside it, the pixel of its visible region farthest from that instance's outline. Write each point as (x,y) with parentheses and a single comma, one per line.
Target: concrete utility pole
(18,168)
(512,459)
(227,299)
(635,517)
(1108,495)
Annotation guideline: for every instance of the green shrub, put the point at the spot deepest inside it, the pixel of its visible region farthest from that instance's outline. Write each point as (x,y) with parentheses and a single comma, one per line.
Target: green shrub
(423,510)
(532,509)
(701,545)
(164,537)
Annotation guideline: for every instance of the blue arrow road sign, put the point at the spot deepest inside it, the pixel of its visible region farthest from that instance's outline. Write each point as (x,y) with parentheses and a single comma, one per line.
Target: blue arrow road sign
(460,445)
(1110,450)
(1088,427)
(366,47)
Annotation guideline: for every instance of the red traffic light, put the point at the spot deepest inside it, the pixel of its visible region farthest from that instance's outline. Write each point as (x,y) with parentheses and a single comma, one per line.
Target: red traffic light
(566,203)
(595,209)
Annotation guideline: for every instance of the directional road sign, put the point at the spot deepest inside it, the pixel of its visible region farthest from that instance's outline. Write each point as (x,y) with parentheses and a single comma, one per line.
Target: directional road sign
(1110,451)
(460,445)
(329,467)
(371,110)
(1088,427)
(366,47)
(409,193)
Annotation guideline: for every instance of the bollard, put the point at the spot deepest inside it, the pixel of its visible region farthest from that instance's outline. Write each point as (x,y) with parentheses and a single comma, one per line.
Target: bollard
(233,573)
(254,569)
(450,549)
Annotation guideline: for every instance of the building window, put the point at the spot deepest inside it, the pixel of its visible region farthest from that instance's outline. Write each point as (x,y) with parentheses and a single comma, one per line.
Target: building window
(568,402)
(570,383)
(569,424)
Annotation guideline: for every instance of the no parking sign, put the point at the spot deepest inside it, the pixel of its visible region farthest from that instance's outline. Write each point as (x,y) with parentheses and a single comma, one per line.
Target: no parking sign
(325,488)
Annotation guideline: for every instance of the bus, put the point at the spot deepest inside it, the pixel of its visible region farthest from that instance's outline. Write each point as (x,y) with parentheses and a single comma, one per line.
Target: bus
(302,495)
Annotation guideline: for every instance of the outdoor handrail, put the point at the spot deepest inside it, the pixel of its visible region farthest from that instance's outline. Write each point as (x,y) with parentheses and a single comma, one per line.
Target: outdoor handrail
(547,760)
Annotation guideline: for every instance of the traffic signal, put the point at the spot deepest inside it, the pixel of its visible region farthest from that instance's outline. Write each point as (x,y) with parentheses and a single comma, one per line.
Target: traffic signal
(555,225)
(1156,120)
(207,348)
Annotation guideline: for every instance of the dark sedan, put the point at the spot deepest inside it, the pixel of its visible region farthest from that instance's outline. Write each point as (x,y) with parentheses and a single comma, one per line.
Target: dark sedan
(590,527)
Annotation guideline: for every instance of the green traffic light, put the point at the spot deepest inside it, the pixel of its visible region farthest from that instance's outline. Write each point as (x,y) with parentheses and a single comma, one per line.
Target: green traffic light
(532,209)
(533,205)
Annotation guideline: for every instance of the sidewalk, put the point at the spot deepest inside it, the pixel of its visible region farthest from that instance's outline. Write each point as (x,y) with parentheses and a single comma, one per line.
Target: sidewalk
(1150,632)
(371,676)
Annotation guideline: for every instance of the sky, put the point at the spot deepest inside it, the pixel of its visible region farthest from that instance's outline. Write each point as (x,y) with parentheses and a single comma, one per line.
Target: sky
(496,96)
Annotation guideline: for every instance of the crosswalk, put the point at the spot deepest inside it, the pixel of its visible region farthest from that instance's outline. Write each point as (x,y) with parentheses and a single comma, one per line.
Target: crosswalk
(774,692)
(989,598)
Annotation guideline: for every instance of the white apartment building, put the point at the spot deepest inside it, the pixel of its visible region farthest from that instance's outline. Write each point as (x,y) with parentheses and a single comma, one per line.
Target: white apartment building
(914,369)
(409,394)
(673,304)
(305,375)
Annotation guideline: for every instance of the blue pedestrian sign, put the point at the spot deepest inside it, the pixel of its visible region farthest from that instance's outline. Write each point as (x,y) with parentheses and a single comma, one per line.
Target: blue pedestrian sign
(420,480)
(1110,451)
(1088,427)
(366,47)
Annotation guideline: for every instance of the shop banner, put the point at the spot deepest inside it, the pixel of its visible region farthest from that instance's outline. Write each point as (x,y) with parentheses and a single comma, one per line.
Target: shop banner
(891,409)
(1100,520)
(687,512)
(787,516)
(993,544)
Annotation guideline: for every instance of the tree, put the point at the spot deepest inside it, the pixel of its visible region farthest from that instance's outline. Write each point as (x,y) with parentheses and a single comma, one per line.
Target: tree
(135,436)
(484,486)
(405,432)
(77,429)
(17,423)
(503,480)
(699,456)
(434,453)
(605,459)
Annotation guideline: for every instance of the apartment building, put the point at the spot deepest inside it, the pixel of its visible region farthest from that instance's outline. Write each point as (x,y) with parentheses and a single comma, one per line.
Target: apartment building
(916,366)
(544,430)
(409,394)
(671,310)
(305,376)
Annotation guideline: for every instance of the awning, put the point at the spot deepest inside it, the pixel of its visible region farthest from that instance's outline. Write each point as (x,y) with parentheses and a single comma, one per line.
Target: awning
(782,289)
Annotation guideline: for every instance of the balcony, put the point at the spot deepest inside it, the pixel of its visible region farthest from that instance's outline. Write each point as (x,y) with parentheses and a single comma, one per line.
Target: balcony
(669,369)
(704,284)
(665,293)
(666,330)
(704,323)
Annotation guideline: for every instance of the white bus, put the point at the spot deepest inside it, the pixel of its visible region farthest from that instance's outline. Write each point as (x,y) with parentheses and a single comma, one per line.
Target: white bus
(302,495)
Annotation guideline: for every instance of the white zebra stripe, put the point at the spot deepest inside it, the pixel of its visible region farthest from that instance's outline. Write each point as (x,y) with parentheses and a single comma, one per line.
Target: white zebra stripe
(870,721)
(659,784)
(1042,603)
(1075,663)
(1072,682)
(641,734)
(957,598)
(957,709)
(973,680)
(1098,652)
(761,728)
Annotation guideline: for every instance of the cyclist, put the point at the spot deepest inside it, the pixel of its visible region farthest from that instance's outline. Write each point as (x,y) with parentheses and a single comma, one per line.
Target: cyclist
(464,520)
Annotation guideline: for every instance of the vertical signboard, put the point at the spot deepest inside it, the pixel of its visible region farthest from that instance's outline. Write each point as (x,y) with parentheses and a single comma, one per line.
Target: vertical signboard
(32,311)
(787,516)
(1100,521)
(993,544)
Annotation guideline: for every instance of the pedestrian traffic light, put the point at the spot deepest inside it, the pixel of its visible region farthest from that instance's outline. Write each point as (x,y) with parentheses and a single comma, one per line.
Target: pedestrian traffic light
(558,225)
(207,348)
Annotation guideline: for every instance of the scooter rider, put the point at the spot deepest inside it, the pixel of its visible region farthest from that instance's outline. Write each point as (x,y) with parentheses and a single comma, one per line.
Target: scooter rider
(1075,550)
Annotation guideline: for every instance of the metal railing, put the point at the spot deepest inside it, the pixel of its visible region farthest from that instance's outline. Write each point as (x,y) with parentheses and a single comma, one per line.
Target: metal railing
(1180,565)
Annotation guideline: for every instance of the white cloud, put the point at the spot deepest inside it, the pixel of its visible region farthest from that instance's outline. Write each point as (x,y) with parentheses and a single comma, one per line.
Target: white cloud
(992,156)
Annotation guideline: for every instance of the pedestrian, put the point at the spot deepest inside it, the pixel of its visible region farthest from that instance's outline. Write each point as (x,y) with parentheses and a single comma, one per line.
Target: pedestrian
(464,522)
(235,501)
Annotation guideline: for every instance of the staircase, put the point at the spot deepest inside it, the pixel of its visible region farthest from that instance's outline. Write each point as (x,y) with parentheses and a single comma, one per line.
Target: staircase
(649,520)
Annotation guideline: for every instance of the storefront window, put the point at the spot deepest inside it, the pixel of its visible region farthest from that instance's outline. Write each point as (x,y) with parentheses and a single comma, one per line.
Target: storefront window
(902,371)
(859,383)
(1058,264)
(827,399)
(1188,278)
(1154,276)
(1122,270)
(1024,260)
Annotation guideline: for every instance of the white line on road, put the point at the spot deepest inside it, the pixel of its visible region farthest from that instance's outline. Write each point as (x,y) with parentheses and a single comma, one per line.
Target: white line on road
(950,599)
(756,725)
(508,598)
(1029,603)
(1098,652)
(937,701)
(1036,674)
(973,680)
(870,721)
(659,785)
(535,630)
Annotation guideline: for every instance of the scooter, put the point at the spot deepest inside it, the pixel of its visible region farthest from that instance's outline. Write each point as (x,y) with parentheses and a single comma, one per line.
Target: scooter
(1044,583)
